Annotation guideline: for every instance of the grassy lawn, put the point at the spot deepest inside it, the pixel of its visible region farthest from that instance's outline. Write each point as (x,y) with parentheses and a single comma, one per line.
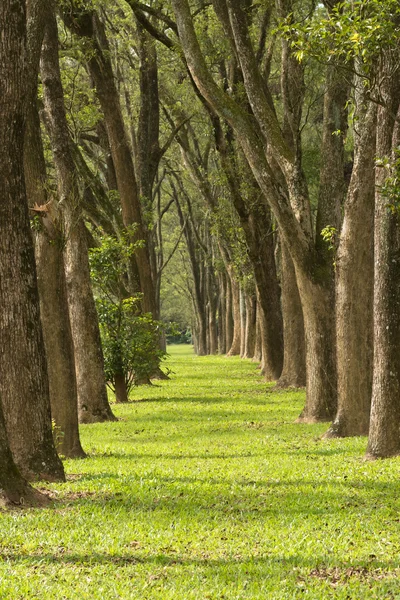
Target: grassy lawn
(206,489)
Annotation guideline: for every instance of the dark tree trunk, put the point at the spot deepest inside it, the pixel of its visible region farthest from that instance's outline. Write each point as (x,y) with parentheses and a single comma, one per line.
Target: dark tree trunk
(294,360)
(384,433)
(92,393)
(121,392)
(24,388)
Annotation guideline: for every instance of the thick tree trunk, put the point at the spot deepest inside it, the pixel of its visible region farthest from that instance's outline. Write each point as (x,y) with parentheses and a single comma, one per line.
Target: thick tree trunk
(212,302)
(13,487)
(354,292)
(384,433)
(93,405)
(59,345)
(319,325)
(24,388)
(262,255)
(52,294)
(294,360)
(92,394)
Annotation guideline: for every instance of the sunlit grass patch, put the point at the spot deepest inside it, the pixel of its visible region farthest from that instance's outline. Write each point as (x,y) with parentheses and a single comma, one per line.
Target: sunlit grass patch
(206,488)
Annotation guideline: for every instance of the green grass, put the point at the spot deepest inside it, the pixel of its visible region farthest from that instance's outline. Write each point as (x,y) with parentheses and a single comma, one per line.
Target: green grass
(206,488)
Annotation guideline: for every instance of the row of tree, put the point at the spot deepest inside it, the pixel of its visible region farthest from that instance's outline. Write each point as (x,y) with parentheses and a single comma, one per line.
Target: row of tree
(303,106)
(248,150)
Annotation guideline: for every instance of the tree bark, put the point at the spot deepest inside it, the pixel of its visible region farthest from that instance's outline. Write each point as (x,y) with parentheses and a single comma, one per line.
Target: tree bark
(24,388)
(354,291)
(243,318)
(121,393)
(234,349)
(228,314)
(320,353)
(52,293)
(88,26)
(294,360)
(258,345)
(222,314)
(93,403)
(384,433)
(250,334)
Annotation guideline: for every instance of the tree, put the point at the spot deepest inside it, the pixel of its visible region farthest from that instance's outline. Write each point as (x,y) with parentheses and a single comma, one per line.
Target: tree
(291,206)
(24,386)
(130,338)
(89,362)
(384,437)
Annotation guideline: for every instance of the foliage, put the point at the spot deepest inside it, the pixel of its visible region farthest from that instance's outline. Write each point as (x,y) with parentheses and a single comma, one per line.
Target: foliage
(130,338)
(363,28)
(130,341)
(177,335)
(391,188)
(329,235)
(208,489)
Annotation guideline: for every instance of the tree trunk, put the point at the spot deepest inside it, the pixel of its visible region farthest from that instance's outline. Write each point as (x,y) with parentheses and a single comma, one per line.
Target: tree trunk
(52,293)
(258,343)
(59,345)
(24,388)
(222,314)
(250,334)
(87,24)
(294,360)
(235,345)
(319,325)
(93,403)
(384,433)
(243,317)
(121,392)
(354,292)
(13,487)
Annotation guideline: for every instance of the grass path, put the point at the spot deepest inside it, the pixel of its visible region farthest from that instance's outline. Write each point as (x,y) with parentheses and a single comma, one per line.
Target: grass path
(206,489)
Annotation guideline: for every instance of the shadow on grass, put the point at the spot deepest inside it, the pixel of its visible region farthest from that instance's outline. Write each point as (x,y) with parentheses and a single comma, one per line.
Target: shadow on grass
(214,498)
(221,397)
(317,566)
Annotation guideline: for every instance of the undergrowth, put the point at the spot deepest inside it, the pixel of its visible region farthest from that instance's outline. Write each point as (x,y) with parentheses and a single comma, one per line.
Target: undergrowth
(206,489)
